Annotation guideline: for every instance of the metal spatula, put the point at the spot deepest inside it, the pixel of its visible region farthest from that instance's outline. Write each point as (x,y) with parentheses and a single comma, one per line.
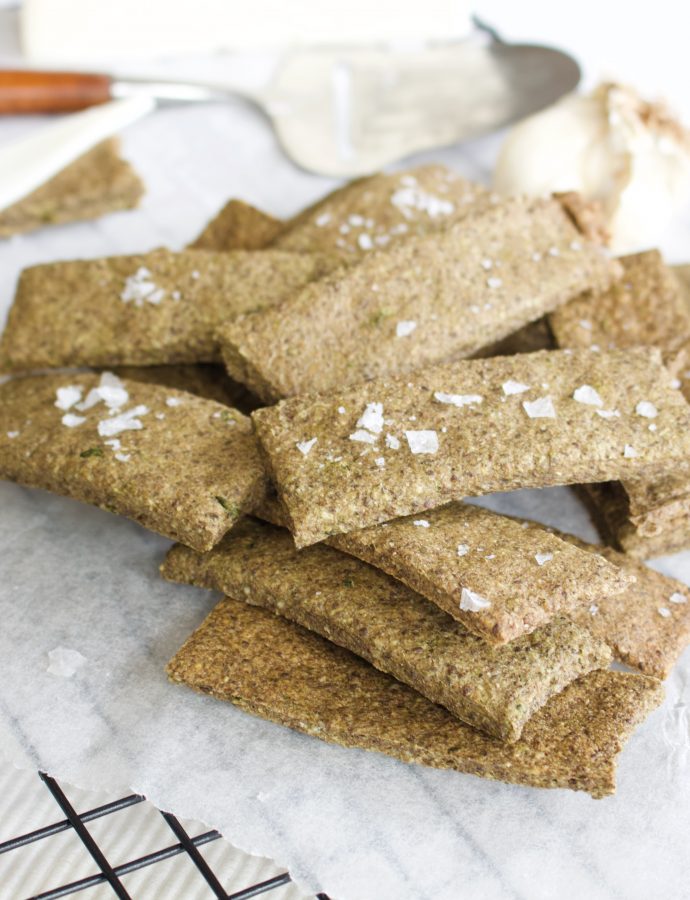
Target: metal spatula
(350,112)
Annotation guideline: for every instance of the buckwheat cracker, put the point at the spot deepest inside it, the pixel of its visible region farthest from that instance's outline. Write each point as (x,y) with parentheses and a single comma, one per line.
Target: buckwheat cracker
(381,210)
(158,308)
(647,307)
(500,579)
(178,464)
(495,689)
(276,670)
(384,449)
(238,226)
(96,183)
(426,299)
(647,625)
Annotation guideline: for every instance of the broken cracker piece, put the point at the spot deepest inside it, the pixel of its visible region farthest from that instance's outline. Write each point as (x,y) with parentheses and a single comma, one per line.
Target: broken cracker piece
(96,183)
(274,669)
(158,308)
(464,429)
(523,576)
(495,689)
(427,299)
(178,464)
(238,226)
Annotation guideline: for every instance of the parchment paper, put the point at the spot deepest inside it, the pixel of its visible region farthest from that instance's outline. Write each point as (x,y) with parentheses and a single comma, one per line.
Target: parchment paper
(356,825)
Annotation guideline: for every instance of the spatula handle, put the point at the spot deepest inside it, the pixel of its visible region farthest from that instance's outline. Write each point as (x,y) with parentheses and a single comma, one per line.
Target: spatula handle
(24,91)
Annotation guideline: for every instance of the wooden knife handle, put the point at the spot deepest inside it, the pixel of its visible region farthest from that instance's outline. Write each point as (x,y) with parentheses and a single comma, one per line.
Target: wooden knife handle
(24,91)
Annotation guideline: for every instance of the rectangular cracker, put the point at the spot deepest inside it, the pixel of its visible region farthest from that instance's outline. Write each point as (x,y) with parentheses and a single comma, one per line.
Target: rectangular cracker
(647,307)
(210,381)
(238,226)
(499,579)
(439,296)
(647,625)
(158,308)
(385,449)
(274,669)
(96,183)
(495,689)
(177,464)
(382,210)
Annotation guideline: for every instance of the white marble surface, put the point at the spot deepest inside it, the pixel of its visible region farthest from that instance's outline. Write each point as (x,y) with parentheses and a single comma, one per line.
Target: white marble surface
(356,825)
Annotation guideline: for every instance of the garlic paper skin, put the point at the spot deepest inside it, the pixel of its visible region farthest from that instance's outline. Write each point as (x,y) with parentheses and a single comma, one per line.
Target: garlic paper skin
(611,146)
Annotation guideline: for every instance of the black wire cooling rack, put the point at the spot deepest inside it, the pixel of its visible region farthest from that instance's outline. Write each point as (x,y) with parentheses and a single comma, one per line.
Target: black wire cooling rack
(111,875)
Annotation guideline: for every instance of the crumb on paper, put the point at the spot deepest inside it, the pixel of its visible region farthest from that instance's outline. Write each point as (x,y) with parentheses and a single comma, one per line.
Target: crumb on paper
(64,662)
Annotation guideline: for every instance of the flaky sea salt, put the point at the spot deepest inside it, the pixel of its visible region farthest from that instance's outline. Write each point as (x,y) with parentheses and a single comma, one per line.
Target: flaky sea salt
(554,251)
(588,395)
(646,409)
(425,441)
(463,549)
(664,611)
(123,457)
(585,324)
(541,408)
(12,435)
(341,410)
(494,282)
(392,442)
(68,396)
(514,387)
(410,198)
(629,452)
(594,609)
(364,437)
(139,289)
(421,523)
(543,558)
(677,597)
(607,413)
(472,602)
(64,662)
(380,462)
(110,390)
(372,418)
(487,264)
(126,421)
(173,401)
(405,328)
(305,446)
(457,399)
(72,421)
(323,219)
(365,242)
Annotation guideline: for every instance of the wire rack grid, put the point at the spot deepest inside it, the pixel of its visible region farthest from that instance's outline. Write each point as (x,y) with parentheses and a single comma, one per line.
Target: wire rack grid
(111,876)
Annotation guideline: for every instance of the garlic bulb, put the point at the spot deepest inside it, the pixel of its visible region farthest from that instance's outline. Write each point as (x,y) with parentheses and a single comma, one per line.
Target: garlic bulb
(611,146)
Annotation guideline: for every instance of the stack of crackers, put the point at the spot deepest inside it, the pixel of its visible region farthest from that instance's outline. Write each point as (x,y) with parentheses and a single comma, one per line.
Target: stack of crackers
(304,407)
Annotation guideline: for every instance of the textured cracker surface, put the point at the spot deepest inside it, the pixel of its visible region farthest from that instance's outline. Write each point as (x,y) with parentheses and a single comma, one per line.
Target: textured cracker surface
(382,210)
(345,328)
(646,307)
(631,622)
(96,183)
(238,226)
(210,381)
(189,474)
(72,313)
(487,446)
(277,670)
(496,689)
(498,562)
